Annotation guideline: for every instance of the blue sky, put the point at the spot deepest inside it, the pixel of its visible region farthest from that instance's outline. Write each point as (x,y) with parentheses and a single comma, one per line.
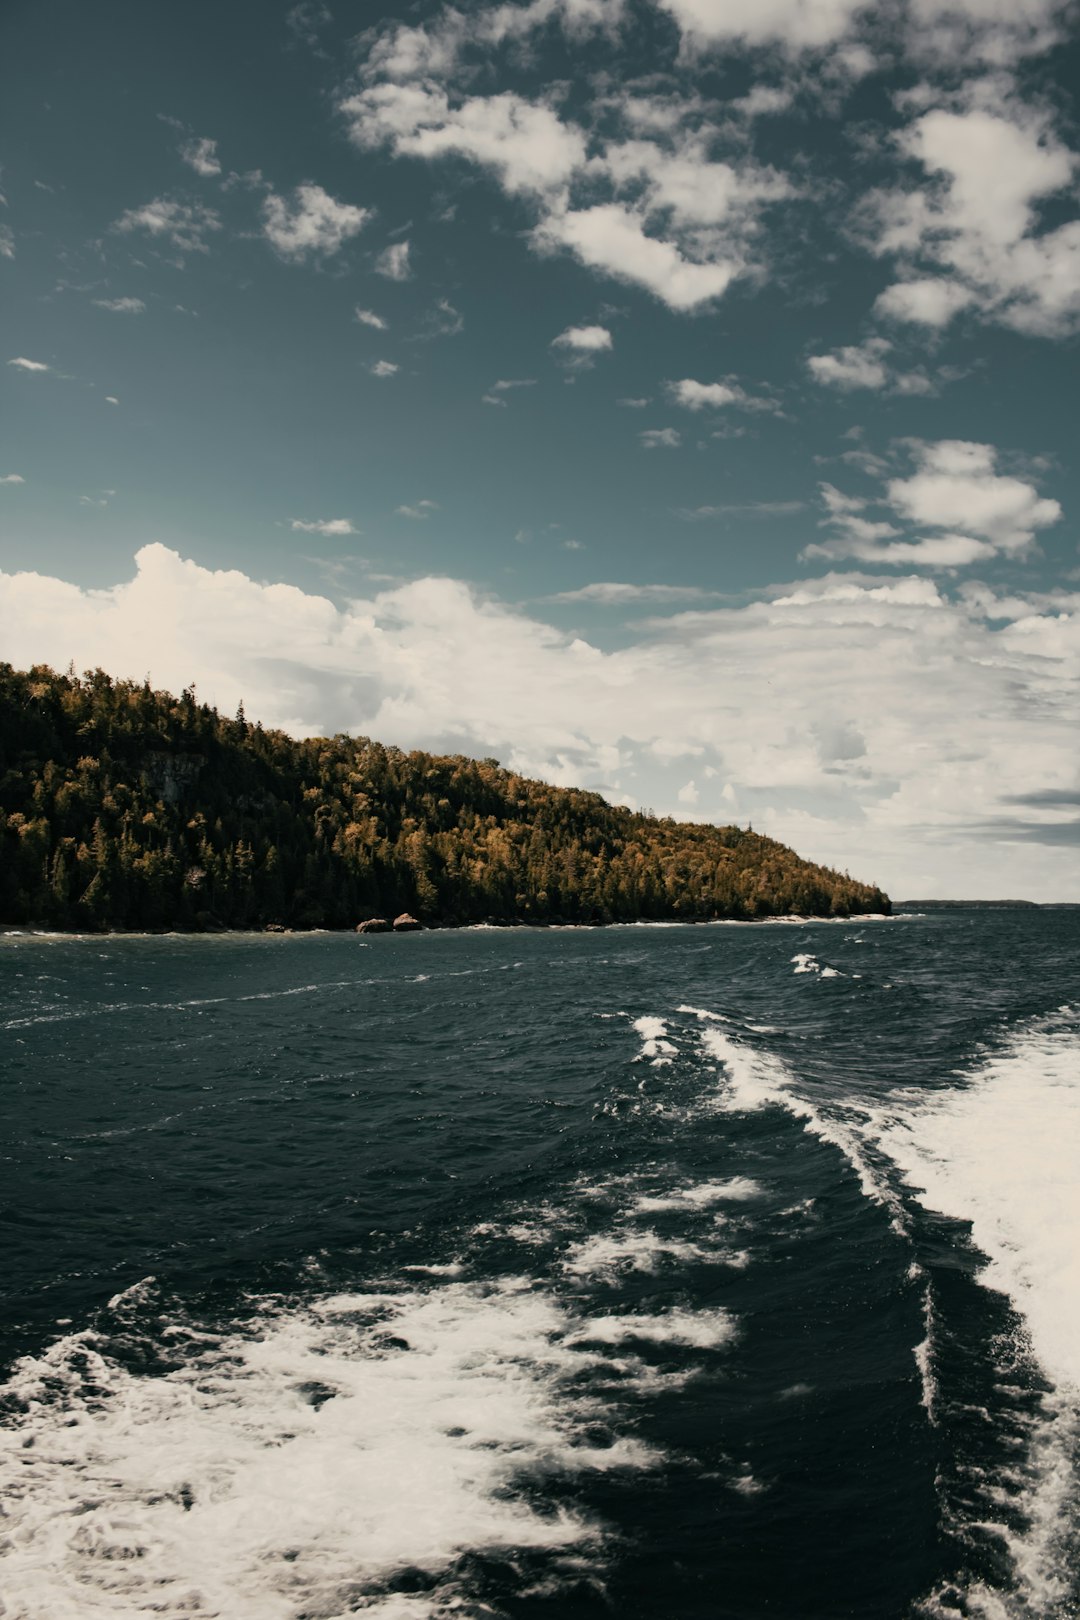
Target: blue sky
(674,397)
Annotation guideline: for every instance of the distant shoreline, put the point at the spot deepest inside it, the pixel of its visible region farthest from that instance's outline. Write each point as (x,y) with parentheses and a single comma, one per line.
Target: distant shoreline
(42,931)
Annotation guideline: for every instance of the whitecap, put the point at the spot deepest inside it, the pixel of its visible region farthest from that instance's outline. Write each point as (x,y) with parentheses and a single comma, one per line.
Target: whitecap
(297,1462)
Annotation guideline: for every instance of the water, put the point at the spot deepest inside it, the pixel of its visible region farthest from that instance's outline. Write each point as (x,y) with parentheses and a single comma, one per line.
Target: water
(725,1271)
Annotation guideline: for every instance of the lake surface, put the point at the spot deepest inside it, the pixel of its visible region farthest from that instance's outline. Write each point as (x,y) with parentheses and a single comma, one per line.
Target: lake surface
(664,1272)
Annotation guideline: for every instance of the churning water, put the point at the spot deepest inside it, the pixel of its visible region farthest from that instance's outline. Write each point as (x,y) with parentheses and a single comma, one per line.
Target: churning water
(675,1273)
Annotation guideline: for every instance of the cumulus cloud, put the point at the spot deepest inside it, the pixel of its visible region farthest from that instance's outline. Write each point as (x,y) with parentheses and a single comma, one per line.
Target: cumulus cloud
(660,438)
(185,224)
(583,339)
(327,526)
(955,490)
(854,366)
(22,364)
(924,300)
(791,24)
(384,368)
(314,224)
(612,238)
(12,478)
(872,723)
(418,511)
(393,262)
(995,32)
(676,219)
(957,485)
(713,396)
(990,163)
(368,317)
(122,306)
(200,154)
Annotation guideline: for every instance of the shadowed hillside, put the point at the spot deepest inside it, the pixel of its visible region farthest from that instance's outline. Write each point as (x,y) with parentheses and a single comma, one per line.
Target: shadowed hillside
(122,807)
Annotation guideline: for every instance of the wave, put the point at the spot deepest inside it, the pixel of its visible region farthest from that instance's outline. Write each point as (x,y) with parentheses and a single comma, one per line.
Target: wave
(998,1151)
(301,1461)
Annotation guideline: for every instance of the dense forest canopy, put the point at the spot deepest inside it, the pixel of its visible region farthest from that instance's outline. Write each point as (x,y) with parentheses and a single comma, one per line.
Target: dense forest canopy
(123,807)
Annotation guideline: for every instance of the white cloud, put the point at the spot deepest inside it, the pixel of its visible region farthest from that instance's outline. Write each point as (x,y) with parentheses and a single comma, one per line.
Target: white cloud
(111,399)
(925,301)
(688,793)
(873,724)
(29,365)
(612,238)
(660,439)
(200,154)
(634,404)
(314,224)
(949,32)
(957,487)
(384,368)
(393,262)
(368,317)
(185,225)
(583,339)
(615,593)
(792,24)
(327,526)
(435,50)
(854,366)
(418,511)
(713,396)
(122,306)
(976,219)
(12,478)
(7,242)
(675,220)
(524,143)
(956,490)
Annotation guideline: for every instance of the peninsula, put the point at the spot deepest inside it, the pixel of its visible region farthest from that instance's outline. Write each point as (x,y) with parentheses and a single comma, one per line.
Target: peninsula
(122,807)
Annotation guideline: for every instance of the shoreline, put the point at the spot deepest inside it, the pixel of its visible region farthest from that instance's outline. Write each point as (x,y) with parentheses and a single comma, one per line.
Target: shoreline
(792,920)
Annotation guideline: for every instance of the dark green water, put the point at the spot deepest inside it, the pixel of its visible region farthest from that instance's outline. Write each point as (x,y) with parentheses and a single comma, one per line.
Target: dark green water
(701,1272)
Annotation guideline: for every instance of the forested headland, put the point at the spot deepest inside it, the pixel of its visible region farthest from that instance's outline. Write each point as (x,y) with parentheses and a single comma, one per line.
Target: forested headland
(122,807)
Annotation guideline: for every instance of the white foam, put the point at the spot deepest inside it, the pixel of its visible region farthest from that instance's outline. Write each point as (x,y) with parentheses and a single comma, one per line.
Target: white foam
(805,963)
(760,1080)
(699,1330)
(1003,1152)
(924,1355)
(611,1254)
(701,1195)
(1000,1152)
(293,1465)
(656,1048)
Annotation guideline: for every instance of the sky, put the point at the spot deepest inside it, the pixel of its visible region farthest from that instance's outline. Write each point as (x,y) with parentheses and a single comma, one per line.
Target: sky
(673,398)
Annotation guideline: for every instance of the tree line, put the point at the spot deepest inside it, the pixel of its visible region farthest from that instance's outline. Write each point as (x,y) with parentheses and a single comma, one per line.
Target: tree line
(122,807)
